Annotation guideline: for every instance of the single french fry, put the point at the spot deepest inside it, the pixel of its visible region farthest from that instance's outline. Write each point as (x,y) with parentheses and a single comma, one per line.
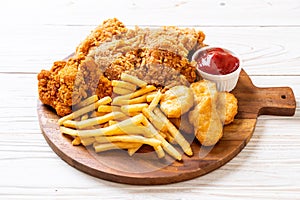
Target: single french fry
(150,96)
(112,122)
(152,132)
(155,101)
(91,107)
(86,102)
(123,84)
(76,141)
(164,135)
(107,108)
(141,99)
(97,114)
(159,151)
(127,126)
(140,92)
(68,131)
(126,99)
(93,121)
(134,108)
(129,139)
(175,133)
(121,101)
(131,114)
(121,91)
(87,141)
(132,79)
(170,138)
(132,151)
(115,145)
(156,121)
(84,117)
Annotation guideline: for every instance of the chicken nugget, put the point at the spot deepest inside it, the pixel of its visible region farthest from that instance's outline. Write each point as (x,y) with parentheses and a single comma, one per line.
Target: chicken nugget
(177,101)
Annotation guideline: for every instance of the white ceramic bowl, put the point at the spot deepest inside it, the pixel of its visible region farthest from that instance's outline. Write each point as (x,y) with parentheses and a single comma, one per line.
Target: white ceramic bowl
(223,82)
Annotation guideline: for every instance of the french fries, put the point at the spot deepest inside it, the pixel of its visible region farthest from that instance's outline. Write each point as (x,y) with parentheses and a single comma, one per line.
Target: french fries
(152,132)
(132,79)
(123,84)
(132,150)
(128,121)
(122,91)
(158,124)
(93,121)
(134,108)
(155,101)
(107,108)
(129,138)
(87,141)
(91,107)
(178,137)
(86,102)
(76,141)
(114,145)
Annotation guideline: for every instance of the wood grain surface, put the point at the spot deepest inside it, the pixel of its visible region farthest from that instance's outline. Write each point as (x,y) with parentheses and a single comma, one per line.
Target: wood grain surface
(266,33)
(144,168)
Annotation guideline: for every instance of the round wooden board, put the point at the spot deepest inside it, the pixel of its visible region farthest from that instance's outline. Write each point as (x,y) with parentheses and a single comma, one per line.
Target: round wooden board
(147,169)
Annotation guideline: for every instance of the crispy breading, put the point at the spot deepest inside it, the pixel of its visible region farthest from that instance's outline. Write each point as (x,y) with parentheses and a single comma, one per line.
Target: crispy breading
(213,110)
(208,125)
(155,66)
(177,101)
(69,81)
(88,71)
(227,105)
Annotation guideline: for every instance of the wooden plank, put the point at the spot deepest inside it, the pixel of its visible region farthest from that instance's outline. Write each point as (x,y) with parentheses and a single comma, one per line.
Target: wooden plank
(147,170)
(256,173)
(270,143)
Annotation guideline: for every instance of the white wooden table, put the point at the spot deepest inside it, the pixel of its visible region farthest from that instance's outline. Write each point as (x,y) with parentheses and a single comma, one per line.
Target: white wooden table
(35,33)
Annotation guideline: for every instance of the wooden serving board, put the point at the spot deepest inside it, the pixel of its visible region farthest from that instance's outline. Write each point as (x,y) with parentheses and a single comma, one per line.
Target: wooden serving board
(145,168)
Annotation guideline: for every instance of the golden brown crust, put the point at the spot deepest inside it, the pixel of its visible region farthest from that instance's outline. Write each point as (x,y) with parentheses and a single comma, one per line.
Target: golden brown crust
(231,108)
(107,30)
(67,82)
(155,66)
(177,101)
(213,110)
(208,125)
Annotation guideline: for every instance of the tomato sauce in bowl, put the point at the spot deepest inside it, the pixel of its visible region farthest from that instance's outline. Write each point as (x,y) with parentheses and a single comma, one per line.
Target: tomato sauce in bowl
(218,65)
(217,61)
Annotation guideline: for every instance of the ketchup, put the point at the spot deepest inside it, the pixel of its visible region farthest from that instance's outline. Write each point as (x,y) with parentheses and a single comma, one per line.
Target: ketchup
(217,61)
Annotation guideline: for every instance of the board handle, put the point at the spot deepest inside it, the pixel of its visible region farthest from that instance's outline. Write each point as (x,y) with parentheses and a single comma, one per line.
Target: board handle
(278,101)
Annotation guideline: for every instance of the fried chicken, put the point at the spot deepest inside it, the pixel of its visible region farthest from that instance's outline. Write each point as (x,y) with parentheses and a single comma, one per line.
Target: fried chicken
(155,66)
(112,49)
(205,118)
(177,101)
(67,82)
(213,109)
